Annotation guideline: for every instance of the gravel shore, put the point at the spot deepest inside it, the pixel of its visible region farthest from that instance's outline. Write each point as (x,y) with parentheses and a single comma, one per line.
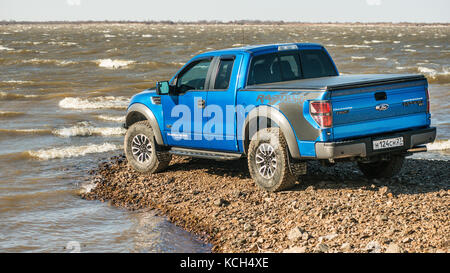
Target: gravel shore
(333,209)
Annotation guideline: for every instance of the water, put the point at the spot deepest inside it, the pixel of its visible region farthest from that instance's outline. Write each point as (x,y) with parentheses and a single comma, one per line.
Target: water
(63,94)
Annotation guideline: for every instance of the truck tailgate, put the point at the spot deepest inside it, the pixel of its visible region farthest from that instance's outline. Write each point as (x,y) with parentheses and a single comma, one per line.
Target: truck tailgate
(379,107)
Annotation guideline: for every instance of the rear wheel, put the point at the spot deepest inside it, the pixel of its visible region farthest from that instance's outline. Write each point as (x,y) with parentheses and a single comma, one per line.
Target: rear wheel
(141,149)
(382,168)
(268,160)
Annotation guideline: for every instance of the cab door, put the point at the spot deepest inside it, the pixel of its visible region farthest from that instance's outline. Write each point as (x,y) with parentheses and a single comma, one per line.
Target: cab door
(183,109)
(220,116)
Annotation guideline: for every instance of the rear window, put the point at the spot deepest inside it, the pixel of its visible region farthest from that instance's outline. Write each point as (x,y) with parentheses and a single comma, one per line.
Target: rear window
(315,64)
(278,67)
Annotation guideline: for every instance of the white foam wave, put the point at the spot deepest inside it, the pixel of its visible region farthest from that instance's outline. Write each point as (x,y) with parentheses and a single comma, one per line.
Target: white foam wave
(94,103)
(381,59)
(358,57)
(16,81)
(147,35)
(6,48)
(49,61)
(433,73)
(439,145)
(87,187)
(111,118)
(373,42)
(83,129)
(73,151)
(356,46)
(113,64)
(5,95)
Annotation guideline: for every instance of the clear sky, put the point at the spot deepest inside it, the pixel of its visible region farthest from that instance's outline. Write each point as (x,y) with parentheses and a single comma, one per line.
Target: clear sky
(225,10)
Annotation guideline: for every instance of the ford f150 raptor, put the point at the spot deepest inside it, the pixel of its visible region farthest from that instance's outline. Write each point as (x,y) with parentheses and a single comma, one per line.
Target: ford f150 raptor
(279,106)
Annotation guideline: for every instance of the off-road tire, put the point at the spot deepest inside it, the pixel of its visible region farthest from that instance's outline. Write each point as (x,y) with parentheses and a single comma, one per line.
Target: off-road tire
(159,160)
(282,178)
(382,168)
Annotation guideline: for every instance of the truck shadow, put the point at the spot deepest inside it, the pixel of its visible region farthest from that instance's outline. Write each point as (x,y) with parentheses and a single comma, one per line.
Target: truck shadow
(417,175)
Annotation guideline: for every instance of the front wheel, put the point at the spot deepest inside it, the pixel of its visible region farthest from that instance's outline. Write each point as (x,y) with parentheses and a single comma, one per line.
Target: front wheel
(268,160)
(141,149)
(382,168)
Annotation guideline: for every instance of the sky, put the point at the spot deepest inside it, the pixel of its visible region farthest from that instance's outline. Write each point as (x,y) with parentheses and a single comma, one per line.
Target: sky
(429,11)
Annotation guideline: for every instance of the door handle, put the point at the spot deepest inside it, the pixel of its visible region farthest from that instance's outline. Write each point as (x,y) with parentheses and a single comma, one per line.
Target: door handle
(201,104)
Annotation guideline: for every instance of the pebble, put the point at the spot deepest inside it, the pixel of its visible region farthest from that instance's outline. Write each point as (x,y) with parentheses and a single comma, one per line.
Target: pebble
(295,234)
(393,248)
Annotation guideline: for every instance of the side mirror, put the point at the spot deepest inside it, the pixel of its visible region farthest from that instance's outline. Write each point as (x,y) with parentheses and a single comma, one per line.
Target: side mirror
(162,88)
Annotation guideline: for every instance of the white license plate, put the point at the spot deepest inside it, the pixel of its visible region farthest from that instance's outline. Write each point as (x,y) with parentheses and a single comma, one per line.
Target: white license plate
(387,143)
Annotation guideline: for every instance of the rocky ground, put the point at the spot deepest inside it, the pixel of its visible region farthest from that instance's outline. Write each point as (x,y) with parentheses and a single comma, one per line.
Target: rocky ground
(333,209)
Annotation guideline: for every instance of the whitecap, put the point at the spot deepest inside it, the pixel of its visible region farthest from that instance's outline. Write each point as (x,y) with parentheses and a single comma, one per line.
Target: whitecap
(439,145)
(6,48)
(94,103)
(113,64)
(356,46)
(382,59)
(358,57)
(84,129)
(73,151)
(111,118)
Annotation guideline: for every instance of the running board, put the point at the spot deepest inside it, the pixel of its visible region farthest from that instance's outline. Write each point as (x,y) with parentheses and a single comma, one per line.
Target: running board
(204,154)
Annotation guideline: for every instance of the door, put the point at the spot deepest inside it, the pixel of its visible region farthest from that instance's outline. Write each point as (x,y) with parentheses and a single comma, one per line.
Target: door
(220,126)
(183,110)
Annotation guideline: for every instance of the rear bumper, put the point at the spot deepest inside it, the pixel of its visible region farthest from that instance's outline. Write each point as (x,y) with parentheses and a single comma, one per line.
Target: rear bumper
(363,147)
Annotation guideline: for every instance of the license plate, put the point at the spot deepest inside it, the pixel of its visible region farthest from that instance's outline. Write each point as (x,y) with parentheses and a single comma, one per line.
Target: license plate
(387,143)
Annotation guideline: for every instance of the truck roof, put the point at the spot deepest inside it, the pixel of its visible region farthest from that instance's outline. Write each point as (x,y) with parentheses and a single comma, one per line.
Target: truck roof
(252,49)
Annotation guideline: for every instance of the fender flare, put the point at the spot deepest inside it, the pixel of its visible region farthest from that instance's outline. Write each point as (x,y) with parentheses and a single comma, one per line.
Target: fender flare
(148,114)
(276,116)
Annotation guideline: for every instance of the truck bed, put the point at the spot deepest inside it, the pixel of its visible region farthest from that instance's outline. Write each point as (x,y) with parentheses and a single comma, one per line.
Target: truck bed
(338,82)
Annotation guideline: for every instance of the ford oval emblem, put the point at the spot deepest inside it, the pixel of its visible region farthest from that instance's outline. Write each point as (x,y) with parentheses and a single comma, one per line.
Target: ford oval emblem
(382,107)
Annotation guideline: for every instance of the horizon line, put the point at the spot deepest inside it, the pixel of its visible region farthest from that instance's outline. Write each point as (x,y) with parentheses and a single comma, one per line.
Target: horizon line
(213,22)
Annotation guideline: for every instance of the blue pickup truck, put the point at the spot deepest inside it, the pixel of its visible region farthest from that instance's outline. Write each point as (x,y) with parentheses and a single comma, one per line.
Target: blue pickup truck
(279,106)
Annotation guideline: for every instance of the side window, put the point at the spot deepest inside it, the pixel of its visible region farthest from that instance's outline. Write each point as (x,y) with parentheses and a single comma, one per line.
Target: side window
(290,67)
(315,64)
(194,77)
(264,69)
(224,74)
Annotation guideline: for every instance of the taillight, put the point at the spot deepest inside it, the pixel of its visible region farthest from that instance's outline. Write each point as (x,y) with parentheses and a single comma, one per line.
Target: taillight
(321,113)
(428,100)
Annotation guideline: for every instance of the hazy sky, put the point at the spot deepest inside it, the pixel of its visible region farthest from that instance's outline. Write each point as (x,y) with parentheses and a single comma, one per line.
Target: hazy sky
(226,10)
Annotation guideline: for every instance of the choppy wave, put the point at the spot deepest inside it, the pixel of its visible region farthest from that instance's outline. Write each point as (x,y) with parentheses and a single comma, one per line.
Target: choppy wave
(49,61)
(434,75)
(7,114)
(439,145)
(6,48)
(111,118)
(84,129)
(88,186)
(16,81)
(94,103)
(356,46)
(358,57)
(72,151)
(14,96)
(113,64)
(25,131)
